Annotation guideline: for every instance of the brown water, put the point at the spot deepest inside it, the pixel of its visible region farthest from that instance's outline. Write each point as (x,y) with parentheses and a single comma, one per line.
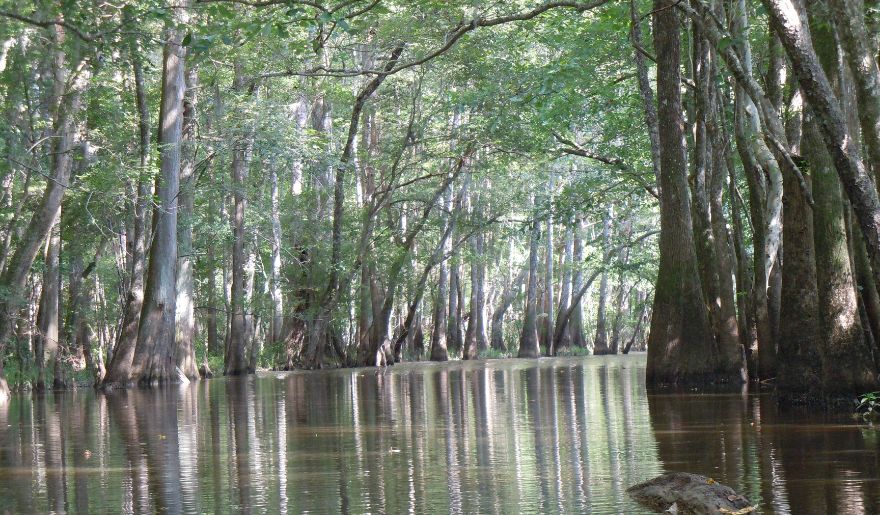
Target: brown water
(505,436)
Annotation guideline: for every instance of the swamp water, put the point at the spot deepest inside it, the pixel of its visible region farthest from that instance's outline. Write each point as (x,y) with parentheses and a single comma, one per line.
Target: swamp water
(501,436)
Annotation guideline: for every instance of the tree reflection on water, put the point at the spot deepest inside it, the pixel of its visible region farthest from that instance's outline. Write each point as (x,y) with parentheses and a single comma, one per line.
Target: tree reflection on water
(567,434)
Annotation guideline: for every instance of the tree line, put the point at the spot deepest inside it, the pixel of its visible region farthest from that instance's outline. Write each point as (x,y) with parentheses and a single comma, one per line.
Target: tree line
(291,184)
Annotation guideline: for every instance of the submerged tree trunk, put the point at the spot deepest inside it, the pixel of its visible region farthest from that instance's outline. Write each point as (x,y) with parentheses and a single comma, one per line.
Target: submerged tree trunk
(601,341)
(46,342)
(565,295)
(549,298)
(799,324)
(237,350)
(119,367)
(680,346)
(528,340)
(154,356)
(847,364)
(576,322)
(185,317)
(275,280)
(507,298)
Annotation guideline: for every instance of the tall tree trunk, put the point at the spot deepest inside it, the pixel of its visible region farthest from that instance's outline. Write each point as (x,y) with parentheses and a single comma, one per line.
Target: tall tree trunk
(237,350)
(600,344)
(528,340)
(475,336)
(275,286)
(46,341)
(119,368)
(73,319)
(185,303)
(549,298)
(727,329)
(680,346)
(576,322)
(846,358)
(745,276)
(439,350)
(454,337)
(799,323)
(623,260)
(565,295)
(154,356)
(764,196)
(211,289)
(704,237)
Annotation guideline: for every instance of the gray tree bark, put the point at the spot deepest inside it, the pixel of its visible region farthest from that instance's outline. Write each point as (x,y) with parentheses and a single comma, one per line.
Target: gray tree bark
(154,355)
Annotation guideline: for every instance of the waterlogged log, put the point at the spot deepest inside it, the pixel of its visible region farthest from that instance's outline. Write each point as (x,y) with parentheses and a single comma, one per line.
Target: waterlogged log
(689,494)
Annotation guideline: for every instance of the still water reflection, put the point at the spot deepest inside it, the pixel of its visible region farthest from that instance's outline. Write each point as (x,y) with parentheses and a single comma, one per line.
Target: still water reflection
(506,436)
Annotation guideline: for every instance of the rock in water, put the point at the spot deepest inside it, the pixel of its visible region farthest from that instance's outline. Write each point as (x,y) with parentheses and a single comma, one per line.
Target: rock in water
(689,494)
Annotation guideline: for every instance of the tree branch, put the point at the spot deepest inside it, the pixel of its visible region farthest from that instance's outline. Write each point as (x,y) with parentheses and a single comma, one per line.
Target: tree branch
(451,39)
(88,38)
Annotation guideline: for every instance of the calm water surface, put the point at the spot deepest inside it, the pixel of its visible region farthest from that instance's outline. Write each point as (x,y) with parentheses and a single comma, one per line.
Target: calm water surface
(504,436)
